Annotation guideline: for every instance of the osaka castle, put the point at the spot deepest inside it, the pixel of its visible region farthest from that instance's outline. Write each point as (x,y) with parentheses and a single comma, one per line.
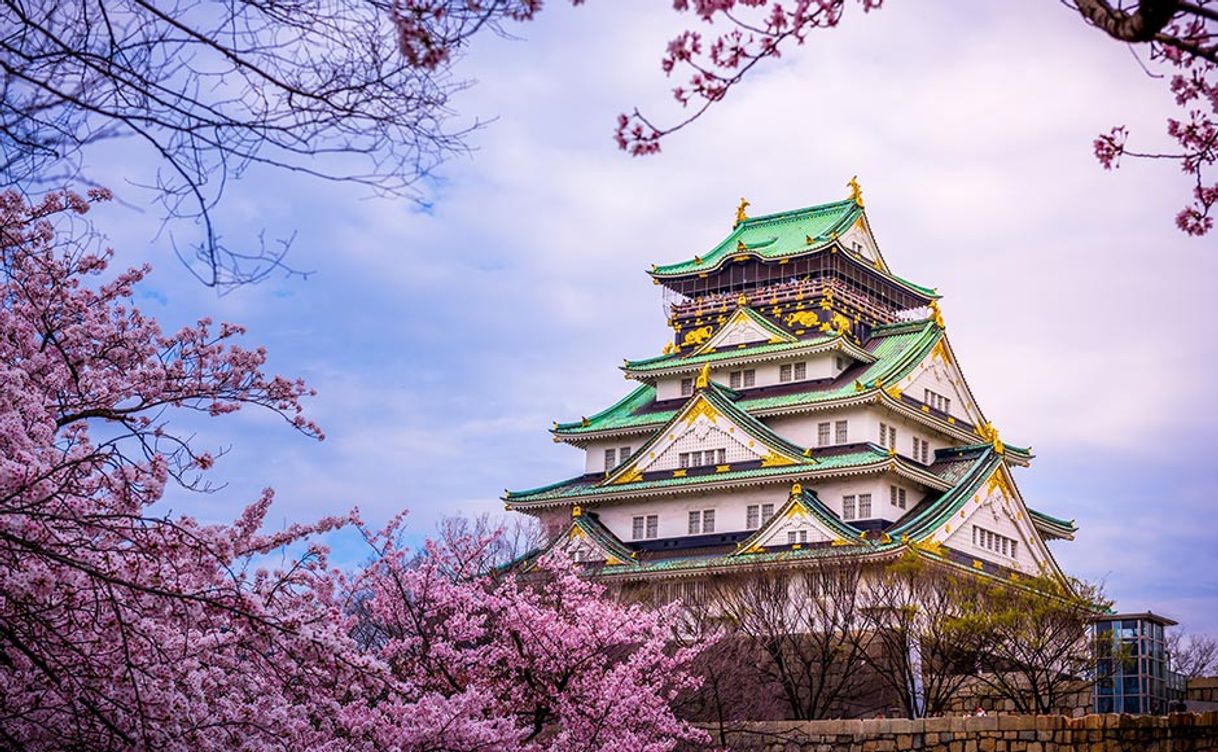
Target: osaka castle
(808,406)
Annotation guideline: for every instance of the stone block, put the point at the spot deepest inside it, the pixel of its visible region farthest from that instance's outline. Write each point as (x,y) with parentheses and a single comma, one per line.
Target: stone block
(1049,722)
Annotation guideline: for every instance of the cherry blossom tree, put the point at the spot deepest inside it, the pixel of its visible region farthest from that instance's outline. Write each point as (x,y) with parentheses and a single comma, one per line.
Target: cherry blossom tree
(542,654)
(741,34)
(122,627)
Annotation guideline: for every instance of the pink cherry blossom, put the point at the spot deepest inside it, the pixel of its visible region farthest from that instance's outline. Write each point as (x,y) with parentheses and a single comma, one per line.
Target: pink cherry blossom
(121,628)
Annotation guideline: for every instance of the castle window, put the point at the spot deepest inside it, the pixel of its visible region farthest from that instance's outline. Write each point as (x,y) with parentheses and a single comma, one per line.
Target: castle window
(797,536)
(701,458)
(896,496)
(921,450)
(702,521)
(742,379)
(840,431)
(610,459)
(687,387)
(864,506)
(936,401)
(755,514)
(888,436)
(848,507)
(623,453)
(636,529)
(792,372)
(653,525)
(822,434)
(999,544)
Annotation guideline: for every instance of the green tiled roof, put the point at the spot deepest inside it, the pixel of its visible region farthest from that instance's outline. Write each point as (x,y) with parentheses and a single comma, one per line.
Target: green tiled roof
(775,236)
(584,485)
(783,235)
(720,398)
(661,362)
(596,530)
(899,349)
(1066,525)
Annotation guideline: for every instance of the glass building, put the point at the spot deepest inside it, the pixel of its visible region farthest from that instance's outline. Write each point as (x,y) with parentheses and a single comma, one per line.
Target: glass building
(1133,672)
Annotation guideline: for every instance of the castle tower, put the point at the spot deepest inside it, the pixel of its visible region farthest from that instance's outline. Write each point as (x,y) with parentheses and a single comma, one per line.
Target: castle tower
(809,406)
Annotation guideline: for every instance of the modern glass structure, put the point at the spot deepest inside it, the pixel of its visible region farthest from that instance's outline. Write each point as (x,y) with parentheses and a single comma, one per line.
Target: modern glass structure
(1133,672)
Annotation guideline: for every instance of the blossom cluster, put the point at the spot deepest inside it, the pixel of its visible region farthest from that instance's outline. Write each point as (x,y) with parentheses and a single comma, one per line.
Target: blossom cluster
(124,629)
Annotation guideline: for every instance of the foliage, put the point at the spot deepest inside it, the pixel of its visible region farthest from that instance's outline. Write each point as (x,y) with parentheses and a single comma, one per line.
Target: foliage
(925,624)
(807,629)
(122,628)
(551,661)
(1038,652)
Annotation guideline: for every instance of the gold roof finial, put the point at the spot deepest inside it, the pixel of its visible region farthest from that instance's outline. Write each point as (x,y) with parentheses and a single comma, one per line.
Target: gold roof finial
(703,380)
(740,215)
(796,489)
(935,314)
(743,300)
(856,190)
(576,511)
(989,434)
(669,348)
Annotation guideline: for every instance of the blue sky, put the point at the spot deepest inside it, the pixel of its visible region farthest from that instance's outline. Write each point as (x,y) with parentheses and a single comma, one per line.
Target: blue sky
(444,342)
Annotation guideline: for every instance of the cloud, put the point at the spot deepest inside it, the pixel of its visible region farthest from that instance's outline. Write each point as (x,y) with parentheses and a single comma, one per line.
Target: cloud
(443,342)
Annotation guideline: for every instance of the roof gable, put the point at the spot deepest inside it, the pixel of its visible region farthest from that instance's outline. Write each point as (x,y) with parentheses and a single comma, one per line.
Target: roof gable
(988,499)
(939,372)
(802,513)
(587,540)
(745,327)
(708,421)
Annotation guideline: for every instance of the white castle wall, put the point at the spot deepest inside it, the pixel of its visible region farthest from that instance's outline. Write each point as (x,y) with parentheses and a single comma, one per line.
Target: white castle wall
(822,365)
(730,510)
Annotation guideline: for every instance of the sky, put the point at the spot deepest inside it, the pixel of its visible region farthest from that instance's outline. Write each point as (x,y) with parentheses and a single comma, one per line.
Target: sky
(444,338)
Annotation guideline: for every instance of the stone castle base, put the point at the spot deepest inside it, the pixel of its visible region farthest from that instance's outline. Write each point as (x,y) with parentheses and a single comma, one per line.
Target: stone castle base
(1184,732)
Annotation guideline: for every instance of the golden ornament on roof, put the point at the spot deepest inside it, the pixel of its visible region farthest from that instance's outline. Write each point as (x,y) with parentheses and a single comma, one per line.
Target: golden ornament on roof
(740,215)
(796,489)
(743,300)
(740,246)
(703,380)
(669,348)
(935,314)
(989,434)
(576,511)
(856,191)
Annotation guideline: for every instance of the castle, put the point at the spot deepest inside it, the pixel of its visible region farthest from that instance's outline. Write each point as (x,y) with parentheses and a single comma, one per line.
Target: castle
(809,406)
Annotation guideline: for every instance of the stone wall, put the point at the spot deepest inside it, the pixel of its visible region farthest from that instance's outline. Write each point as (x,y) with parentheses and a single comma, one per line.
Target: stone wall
(1185,732)
(1203,689)
(1074,701)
